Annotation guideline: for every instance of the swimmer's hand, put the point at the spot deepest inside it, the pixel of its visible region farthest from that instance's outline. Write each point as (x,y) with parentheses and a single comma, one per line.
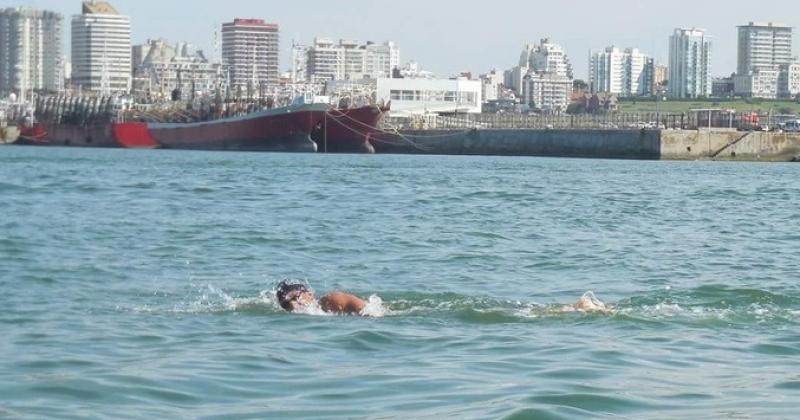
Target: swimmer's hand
(342,304)
(590,304)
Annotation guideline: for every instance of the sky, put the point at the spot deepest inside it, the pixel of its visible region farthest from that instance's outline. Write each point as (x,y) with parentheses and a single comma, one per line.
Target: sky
(448,36)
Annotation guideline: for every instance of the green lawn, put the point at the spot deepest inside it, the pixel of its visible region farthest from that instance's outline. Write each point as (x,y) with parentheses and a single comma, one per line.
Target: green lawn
(763,106)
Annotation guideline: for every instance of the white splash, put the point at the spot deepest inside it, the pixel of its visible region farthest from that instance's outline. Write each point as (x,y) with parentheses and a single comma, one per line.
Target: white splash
(375,308)
(589,303)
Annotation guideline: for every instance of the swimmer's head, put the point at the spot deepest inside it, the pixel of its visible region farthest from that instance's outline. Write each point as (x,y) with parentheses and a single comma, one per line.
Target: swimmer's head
(293,296)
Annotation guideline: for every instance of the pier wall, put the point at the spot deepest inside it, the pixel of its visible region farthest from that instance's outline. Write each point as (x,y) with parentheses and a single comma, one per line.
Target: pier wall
(721,144)
(613,144)
(715,144)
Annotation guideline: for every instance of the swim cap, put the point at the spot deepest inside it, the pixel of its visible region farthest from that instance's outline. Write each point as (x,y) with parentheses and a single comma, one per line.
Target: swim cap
(284,289)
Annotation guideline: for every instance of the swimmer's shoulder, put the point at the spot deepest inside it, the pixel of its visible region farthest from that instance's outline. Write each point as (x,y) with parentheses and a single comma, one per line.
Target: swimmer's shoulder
(342,303)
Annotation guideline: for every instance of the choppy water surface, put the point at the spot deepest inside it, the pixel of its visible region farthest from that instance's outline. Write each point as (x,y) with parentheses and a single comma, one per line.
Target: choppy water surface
(139,284)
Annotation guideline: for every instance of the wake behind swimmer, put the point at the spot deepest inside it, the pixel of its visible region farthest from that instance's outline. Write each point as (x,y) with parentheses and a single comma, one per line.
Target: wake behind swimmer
(297,297)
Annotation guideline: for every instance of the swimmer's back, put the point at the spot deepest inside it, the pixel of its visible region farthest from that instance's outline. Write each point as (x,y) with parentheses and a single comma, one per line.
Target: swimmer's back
(342,303)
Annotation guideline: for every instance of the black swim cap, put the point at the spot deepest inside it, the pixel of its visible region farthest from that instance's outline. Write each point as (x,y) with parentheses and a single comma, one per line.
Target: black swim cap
(284,289)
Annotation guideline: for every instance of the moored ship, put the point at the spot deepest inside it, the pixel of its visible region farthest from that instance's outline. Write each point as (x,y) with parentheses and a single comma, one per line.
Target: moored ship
(284,129)
(9,133)
(349,130)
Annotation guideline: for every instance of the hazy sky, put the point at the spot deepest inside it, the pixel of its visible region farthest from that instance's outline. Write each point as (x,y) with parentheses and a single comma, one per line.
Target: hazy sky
(449,36)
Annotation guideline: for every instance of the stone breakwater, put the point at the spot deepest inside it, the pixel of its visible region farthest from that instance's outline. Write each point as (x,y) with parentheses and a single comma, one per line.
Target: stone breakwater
(715,144)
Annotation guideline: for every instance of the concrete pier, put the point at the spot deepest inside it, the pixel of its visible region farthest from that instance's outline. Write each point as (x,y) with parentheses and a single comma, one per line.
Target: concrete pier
(715,144)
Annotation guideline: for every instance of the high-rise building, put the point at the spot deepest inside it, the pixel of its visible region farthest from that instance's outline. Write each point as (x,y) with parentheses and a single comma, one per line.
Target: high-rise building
(690,64)
(546,57)
(764,50)
(623,73)
(101,49)
(543,77)
(329,60)
(250,50)
(31,51)
(299,73)
(382,59)
(763,45)
(660,79)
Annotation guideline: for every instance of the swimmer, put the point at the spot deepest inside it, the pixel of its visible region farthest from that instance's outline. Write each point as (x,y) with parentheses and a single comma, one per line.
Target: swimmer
(294,297)
(589,303)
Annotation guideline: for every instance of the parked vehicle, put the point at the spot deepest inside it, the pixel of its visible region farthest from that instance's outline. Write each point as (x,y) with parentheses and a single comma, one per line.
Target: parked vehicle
(791,126)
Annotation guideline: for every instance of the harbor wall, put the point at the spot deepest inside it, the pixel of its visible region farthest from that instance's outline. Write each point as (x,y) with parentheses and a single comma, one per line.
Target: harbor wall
(612,144)
(703,144)
(722,144)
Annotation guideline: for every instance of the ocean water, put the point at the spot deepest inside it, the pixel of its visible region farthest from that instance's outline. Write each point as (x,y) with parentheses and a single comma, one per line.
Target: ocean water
(139,284)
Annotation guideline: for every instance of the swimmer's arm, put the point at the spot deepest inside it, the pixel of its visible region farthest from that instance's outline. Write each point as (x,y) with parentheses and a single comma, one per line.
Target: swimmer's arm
(342,303)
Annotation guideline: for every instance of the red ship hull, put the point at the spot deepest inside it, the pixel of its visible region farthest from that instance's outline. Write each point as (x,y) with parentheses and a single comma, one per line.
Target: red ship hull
(275,130)
(349,130)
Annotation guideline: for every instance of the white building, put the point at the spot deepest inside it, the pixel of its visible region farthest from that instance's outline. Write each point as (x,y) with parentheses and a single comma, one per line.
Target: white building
(759,83)
(491,85)
(622,73)
(31,51)
(546,57)
(789,81)
(329,60)
(764,49)
(425,96)
(165,68)
(413,70)
(763,45)
(101,49)
(515,76)
(543,77)
(382,59)
(689,64)
(299,71)
(548,92)
(250,52)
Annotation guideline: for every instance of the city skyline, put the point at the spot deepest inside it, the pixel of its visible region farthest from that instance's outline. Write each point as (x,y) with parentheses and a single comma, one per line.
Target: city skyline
(421,29)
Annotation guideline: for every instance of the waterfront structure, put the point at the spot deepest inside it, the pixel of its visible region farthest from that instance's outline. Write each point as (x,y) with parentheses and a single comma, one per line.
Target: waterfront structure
(426,96)
(328,60)
(543,78)
(101,49)
(764,49)
(165,68)
(624,73)
(31,51)
(416,96)
(250,51)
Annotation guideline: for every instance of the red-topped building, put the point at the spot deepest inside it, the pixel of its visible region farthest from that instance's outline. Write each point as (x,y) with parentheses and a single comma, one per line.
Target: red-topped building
(250,49)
